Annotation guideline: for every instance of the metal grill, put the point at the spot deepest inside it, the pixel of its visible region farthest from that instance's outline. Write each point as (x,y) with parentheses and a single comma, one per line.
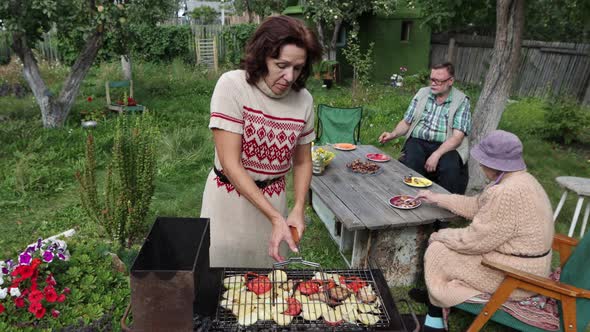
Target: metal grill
(290,304)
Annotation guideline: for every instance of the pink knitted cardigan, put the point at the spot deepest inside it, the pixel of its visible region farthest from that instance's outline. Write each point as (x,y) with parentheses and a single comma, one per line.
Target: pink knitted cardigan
(513,217)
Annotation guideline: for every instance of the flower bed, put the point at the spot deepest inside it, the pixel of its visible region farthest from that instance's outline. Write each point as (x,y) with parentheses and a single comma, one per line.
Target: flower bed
(31,290)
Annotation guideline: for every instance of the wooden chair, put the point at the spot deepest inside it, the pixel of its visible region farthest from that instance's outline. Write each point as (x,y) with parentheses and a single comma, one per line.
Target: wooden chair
(572,290)
(113,106)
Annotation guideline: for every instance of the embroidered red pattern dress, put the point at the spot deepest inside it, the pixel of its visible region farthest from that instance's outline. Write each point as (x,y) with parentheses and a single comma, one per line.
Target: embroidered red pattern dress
(271,127)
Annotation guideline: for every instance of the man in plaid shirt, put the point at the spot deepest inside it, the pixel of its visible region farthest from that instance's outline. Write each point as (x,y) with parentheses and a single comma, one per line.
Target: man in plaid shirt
(435,126)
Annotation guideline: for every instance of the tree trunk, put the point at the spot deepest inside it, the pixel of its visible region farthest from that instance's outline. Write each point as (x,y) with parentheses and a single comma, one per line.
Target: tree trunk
(126,66)
(248,10)
(332,47)
(325,53)
(498,81)
(54,111)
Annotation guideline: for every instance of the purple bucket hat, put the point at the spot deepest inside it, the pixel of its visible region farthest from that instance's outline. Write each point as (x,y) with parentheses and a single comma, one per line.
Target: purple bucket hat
(500,150)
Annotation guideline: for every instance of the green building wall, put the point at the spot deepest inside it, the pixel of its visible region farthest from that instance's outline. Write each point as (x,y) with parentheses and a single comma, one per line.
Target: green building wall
(390,52)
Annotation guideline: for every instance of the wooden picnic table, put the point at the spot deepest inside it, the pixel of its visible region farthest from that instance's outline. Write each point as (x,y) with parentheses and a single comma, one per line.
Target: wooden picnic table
(355,209)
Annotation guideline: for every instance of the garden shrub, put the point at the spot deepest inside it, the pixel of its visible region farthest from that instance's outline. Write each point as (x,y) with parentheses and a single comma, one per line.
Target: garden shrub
(413,83)
(235,38)
(129,184)
(565,121)
(161,43)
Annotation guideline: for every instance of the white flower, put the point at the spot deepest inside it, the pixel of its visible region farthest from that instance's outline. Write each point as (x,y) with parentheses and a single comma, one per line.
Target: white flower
(14,291)
(3,293)
(1,279)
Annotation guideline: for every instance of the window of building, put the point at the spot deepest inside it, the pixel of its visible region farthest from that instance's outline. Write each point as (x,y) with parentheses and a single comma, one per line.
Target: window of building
(406,29)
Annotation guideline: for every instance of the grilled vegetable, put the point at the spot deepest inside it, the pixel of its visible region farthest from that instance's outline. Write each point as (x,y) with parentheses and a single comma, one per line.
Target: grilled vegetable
(339,293)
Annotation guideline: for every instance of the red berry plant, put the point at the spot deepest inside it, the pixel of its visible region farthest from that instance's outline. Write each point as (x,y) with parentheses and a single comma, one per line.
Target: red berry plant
(28,289)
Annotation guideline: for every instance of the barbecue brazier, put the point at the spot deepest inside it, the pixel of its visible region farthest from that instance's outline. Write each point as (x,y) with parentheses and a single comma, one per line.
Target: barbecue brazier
(164,278)
(174,289)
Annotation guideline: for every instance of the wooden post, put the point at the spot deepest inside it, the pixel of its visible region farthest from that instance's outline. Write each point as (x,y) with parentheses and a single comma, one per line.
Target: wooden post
(196,49)
(586,100)
(215,60)
(452,50)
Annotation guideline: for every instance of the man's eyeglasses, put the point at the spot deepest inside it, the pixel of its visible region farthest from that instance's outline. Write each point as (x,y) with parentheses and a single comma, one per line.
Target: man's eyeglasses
(439,82)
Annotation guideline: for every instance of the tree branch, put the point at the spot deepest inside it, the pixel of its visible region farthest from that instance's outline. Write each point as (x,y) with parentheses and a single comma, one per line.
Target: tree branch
(80,69)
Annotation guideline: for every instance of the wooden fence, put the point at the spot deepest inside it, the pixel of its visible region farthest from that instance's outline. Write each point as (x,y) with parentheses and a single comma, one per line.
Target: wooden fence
(207,34)
(546,68)
(46,48)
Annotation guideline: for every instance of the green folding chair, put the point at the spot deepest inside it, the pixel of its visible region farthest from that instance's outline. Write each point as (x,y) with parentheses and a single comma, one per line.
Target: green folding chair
(338,125)
(572,290)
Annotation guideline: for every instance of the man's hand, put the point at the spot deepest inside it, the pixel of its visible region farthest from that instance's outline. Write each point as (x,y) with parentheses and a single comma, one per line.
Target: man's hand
(386,137)
(432,162)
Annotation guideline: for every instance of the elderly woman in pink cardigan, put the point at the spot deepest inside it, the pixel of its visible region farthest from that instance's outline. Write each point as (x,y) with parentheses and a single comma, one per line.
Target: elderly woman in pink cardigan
(512,224)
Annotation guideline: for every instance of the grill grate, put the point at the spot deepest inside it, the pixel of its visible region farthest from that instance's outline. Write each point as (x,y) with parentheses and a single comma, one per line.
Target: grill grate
(264,311)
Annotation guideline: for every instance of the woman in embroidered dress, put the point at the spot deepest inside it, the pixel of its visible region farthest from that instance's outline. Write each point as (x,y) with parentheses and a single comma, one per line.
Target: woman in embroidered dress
(512,224)
(262,119)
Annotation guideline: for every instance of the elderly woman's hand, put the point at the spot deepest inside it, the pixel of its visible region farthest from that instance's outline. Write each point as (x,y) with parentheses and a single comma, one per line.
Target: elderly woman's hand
(428,196)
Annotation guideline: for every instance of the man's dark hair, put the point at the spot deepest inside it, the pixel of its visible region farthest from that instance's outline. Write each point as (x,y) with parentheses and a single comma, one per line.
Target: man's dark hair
(447,65)
(267,41)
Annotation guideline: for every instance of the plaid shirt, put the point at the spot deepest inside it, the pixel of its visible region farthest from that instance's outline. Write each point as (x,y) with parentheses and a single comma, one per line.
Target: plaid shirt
(432,126)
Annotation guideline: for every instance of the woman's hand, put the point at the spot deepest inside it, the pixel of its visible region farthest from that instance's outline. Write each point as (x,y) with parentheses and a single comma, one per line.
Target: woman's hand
(280,233)
(428,196)
(297,219)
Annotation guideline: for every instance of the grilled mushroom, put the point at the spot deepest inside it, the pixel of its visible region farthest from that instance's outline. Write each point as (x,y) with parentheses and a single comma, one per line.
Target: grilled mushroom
(339,293)
(367,294)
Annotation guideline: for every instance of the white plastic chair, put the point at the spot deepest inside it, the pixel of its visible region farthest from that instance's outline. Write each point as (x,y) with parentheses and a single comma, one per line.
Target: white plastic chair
(580,186)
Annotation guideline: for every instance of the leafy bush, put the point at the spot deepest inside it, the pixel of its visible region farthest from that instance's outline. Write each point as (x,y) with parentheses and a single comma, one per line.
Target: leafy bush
(235,38)
(565,121)
(161,43)
(129,184)
(414,82)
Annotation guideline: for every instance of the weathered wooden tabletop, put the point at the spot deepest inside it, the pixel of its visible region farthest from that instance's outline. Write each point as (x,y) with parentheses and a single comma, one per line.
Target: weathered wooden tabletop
(362,201)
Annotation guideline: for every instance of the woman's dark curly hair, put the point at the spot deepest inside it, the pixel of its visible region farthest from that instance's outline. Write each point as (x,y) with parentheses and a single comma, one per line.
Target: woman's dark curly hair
(267,41)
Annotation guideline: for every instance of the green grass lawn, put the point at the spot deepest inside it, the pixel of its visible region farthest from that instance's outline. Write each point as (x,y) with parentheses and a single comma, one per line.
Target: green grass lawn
(39,195)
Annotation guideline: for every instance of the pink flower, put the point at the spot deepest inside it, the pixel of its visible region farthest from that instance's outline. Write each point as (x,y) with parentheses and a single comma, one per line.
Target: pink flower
(1,308)
(54,313)
(61,298)
(67,290)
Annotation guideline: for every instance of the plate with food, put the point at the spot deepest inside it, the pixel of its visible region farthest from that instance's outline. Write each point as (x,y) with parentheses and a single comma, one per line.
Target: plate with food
(415,181)
(404,202)
(344,146)
(378,157)
(358,166)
